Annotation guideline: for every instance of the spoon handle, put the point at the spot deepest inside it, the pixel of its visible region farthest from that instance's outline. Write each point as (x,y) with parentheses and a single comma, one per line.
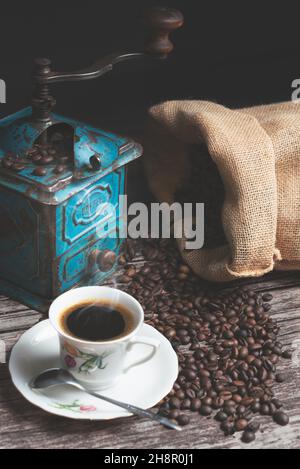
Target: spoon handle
(138,411)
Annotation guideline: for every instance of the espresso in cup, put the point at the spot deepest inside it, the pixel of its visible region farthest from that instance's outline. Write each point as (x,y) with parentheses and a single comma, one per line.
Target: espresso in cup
(98,327)
(97,321)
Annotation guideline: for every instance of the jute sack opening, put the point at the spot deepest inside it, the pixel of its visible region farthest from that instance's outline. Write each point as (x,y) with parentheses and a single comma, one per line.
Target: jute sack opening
(257,153)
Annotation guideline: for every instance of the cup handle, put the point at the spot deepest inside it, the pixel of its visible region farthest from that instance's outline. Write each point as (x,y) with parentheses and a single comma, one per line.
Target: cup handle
(154,344)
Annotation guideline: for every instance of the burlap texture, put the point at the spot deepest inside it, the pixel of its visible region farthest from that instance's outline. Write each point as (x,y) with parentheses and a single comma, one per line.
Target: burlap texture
(257,152)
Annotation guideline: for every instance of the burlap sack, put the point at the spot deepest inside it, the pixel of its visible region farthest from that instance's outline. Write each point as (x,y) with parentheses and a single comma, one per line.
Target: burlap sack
(257,152)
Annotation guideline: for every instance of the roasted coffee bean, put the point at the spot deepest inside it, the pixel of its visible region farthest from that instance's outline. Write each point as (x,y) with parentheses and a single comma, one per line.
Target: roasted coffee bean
(59,169)
(175,403)
(267,297)
(45,160)
(174,414)
(253,427)
(195,404)
(7,163)
(207,401)
(265,409)
(186,404)
(183,420)
(248,437)
(272,408)
(18,167)
(217,403)
(40,172)
(36,158)
(227,428)
(225,395)
(205,410)
(281,418)
(180,394)
(221,416)
(277,403)
(240,425)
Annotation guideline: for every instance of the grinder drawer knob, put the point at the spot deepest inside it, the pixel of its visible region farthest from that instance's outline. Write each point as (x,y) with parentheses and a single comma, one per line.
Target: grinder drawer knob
(104,259)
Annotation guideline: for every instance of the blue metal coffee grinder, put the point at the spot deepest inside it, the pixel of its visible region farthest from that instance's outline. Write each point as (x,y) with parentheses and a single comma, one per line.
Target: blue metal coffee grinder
(56,177)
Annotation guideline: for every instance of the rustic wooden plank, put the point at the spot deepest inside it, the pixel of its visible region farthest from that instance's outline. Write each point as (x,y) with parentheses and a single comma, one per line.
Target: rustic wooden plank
(40,430)
(19,320)
(23,425)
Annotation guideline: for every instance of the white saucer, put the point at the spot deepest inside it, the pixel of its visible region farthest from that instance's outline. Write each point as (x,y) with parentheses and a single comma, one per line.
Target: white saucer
(143,386)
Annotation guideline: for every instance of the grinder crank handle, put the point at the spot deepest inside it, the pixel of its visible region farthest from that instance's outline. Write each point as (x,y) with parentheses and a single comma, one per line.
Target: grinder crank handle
(161,22)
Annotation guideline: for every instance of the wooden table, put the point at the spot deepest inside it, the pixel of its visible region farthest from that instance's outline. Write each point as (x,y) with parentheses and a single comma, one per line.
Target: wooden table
(24,426)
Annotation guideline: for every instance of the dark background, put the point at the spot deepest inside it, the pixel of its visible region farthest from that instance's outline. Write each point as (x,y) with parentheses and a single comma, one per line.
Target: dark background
(237,54)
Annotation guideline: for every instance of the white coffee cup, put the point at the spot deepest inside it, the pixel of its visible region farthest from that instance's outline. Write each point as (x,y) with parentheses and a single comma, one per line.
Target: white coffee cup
(99,365)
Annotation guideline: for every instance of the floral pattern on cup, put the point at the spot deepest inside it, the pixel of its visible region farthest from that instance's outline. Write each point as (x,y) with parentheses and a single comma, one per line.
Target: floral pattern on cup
(90,362)
(75,406)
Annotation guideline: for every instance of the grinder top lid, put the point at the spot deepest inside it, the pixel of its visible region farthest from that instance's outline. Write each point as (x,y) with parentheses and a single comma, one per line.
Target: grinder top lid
(73,156)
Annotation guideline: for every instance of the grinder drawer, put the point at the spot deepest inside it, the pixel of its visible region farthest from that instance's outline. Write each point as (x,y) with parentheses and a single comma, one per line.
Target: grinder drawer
(89,264)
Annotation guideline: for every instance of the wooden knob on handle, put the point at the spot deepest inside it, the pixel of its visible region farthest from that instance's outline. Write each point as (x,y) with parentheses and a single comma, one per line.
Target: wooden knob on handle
(161,21)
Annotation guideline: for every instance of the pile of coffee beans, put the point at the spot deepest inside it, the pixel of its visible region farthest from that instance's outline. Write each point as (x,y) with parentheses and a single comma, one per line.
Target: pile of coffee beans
(55,152)
(226,341)
(205,185)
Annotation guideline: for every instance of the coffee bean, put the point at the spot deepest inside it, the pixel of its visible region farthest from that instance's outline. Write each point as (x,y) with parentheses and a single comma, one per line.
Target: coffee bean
(59,169)
(253,427)
(174,414)
(277,403)
(217,403)
(227,428)
(267,297)
(39,172)
(248,437)
(195,404)
(221,416)
(247,401)
(186,404)
(18,167)
(226,395)
(205,410)
(36,157)
(46,160)
(241,424)
(175,403)
(281,418)
(264,409)
(7,163)
(183,420)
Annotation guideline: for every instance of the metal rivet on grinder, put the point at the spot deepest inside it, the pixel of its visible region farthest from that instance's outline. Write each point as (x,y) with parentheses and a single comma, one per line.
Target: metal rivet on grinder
(95,161)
